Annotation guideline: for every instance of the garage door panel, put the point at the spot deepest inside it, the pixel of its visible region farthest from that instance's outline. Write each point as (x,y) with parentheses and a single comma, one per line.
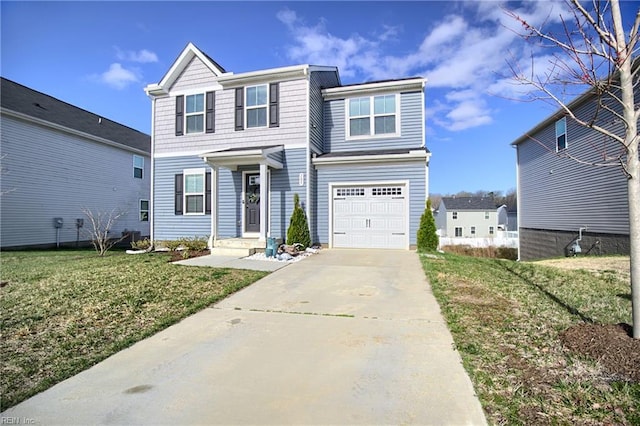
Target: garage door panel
(370,217)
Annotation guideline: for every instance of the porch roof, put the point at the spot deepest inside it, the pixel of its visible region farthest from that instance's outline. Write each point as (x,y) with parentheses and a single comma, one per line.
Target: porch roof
(231,158)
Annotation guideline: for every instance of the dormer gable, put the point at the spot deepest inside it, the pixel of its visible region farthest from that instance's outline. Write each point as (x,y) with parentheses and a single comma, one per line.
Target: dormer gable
(180,64)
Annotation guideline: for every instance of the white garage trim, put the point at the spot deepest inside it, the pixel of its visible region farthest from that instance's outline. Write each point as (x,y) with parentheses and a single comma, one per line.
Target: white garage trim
(370,184)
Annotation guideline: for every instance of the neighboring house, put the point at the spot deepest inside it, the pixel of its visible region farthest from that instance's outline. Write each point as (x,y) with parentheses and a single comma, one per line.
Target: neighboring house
(507,218)
(468,217)
(58,159)
(561,201)
(231,150)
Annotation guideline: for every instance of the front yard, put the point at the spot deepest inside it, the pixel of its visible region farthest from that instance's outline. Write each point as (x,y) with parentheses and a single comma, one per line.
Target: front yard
(533,342)
(63,311)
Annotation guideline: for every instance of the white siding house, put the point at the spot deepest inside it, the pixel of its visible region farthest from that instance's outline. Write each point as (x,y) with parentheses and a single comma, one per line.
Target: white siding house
(467,217)
(58,159)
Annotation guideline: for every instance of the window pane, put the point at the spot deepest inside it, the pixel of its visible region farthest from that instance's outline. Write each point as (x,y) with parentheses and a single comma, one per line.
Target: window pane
(257,117)
(359,126)
(385,124)
(137,172)
(144,216)
(138,161)
(561,127)
(256,95)
(195,103)
(562,142)
(193,183)
(385,104)
(195,123)
(144,205)
(359,106)
(194,204)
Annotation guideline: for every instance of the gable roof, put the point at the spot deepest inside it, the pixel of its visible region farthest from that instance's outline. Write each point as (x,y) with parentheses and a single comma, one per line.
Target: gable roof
(468,203)
(37,106)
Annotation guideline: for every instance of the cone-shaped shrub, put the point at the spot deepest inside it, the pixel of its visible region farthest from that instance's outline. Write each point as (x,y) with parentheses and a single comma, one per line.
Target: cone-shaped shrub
(298,231)
(427,237)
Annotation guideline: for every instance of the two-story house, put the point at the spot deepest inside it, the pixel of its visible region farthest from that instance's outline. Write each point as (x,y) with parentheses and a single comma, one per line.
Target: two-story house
(561,201)
(468,217)
(231,150)
(57,160)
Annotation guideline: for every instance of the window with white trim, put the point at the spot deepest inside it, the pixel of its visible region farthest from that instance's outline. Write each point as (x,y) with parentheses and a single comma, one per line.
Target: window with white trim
(389,190)
(138,166)
(256,106)
(561,134)
(486,215)
(375,116)
(458,231)
(194,191)
(144,210)
(349,192)
(194,113)
(491,231)
(473,230)
(454,215)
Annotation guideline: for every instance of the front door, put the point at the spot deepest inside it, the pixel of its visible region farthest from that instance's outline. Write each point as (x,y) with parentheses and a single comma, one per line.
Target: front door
(252,203)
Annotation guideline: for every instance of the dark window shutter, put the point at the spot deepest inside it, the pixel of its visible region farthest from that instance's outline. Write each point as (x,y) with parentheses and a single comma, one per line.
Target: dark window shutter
(179,115)
(178,193)
(210,112)
(207,193)
(240,108)
(274,110)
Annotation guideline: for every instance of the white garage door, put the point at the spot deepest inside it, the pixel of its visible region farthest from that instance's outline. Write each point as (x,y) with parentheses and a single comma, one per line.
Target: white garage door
(370,217)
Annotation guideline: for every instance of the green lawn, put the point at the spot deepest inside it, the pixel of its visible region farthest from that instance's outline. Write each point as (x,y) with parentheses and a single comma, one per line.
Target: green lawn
(63,311)
(506,318)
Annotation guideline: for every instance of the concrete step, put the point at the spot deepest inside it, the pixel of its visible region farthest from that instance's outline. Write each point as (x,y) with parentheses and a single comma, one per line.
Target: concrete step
(245,243)
(233,251)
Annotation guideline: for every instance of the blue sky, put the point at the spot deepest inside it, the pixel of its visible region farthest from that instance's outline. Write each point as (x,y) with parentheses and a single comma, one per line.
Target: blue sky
(100,55)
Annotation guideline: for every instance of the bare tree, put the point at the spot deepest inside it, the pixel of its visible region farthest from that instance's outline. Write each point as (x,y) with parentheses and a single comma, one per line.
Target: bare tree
(593,49)
(100,224)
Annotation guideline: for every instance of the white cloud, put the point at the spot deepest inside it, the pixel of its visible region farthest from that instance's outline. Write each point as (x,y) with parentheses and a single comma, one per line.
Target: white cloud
(142,56)
(118,77)
(465,52)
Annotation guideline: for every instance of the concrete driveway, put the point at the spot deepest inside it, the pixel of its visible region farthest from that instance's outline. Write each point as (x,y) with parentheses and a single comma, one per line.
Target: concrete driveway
(343,337)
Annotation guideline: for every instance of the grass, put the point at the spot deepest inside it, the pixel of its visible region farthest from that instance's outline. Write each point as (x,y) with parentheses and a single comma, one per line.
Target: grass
(506,317)
(64,311)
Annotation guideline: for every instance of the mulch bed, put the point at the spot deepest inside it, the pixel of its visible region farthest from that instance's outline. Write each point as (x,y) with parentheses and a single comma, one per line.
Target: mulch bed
(612,345)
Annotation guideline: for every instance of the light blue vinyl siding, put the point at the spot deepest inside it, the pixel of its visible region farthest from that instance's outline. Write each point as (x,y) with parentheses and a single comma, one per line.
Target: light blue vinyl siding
(285,183)
(558,193)
(167,225)
(415,173)
(319,80)
(411,125)
(229,203)
(49,173)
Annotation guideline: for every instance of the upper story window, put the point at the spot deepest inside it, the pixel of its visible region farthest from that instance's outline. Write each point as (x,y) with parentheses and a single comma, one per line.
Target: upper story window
(257,106)
(194,113)
(561,134)
(454,215)
(138,166)
(373,116)
(486,215)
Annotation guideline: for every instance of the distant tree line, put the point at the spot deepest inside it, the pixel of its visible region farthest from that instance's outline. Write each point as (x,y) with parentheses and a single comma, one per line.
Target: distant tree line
(508,198)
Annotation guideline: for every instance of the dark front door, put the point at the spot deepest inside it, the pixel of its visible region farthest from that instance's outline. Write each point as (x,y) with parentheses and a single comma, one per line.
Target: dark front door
(252,202)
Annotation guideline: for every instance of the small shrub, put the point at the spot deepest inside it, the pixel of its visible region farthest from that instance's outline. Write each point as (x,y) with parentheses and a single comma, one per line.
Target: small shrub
(194,243)
(298,231)
(427,237)
(172,245)
(141,244)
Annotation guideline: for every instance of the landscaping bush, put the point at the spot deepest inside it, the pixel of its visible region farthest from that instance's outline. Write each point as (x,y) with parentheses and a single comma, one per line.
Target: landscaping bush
(298,231)
(143,244)
(427,237)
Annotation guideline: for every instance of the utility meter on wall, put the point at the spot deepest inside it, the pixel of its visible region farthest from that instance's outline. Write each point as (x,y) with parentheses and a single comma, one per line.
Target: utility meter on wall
(57,222)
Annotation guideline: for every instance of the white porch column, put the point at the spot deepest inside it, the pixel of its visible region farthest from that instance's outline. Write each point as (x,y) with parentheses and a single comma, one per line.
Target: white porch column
(264,201)
(214,207)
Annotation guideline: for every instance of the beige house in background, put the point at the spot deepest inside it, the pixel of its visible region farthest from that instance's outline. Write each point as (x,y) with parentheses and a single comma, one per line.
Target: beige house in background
(468,217)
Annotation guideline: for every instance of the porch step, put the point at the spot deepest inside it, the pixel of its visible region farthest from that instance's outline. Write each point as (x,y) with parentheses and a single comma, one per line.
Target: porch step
(240,243)
(232,251)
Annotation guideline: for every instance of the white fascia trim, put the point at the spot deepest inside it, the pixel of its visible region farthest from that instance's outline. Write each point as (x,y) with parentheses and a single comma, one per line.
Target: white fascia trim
(371,88)
(71,131)
(420,156)
(263,76)
(233,159)
(176,69)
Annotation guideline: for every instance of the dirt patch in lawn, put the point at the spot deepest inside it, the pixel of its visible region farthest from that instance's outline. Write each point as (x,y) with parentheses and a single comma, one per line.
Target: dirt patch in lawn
(187,254)
(611,345)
